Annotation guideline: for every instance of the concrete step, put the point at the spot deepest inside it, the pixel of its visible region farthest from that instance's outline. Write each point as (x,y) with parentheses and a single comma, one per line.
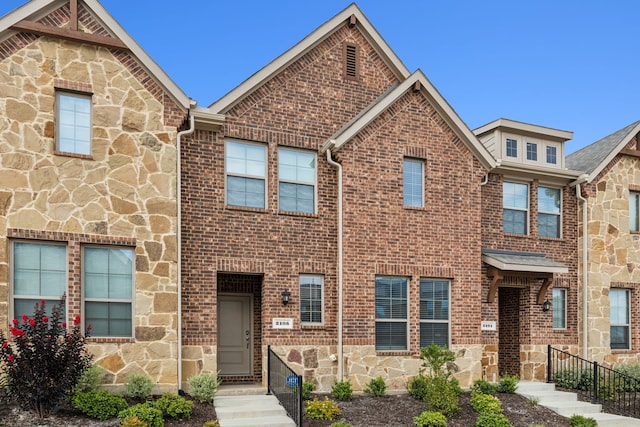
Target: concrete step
(550,396)
(253,389)
(609,420)
(567,409)
(251,410)
(282,421)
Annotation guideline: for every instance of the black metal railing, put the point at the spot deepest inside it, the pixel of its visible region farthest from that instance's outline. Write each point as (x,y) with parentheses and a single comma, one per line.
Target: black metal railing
(616,391)
(286,385)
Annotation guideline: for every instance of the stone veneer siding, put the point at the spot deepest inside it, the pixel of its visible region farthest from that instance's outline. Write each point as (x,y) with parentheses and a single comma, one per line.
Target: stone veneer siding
(124,193)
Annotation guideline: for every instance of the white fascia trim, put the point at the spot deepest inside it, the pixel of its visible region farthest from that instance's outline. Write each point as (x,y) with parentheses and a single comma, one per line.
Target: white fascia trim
(322,32)
(522,267)
(613,154)
(522,169)
(543,131)
(35,8)
(205,119)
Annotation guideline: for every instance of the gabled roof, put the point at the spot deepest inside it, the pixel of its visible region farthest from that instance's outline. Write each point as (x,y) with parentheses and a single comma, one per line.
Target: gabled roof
(26,16)
(437,101)
(595,157)
(321,33)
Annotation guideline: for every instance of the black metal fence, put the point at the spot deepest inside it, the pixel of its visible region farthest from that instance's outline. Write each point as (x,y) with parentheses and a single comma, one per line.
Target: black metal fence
(286,385)
(616,391)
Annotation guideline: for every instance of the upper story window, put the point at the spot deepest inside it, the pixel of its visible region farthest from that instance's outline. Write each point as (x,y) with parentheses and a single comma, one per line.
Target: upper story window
(619,318)
(515,203)
(108,291)
(391,313)
(311,299)
(634,211)
(559,308)
(246,174)
(297,180)
(413,179)
(532,151)
(39,272)
(549,212)
(512,148)
(552,155)
(434,312)
(73,123)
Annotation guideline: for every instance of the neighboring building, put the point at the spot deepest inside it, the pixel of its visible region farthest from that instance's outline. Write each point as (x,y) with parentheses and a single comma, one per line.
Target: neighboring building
(88,204)
(610,255)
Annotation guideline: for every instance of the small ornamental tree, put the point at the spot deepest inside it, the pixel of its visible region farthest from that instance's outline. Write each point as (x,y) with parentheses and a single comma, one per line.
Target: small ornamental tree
(44,360)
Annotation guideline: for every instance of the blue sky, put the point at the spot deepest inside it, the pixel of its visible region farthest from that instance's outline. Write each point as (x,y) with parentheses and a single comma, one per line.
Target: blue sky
(566,64)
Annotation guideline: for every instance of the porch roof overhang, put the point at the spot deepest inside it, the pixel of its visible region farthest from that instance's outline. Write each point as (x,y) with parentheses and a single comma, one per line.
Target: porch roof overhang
(522,264)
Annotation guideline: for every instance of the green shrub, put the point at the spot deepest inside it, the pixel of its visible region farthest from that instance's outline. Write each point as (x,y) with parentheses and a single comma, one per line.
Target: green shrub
(631,379)
(580,421)
(443,395)
(213,423)
(138,386)
(430,419)
(492,419)
(174,406)
(145,412)
(340,424)
(342,390)
(203,387)
(376,387)
(99,404)
(484,387)
(91,379)
(483,403)
(321,409)
(437,359)
(307,388)
(508,383)
(133,422)
(533,402)
(417,387)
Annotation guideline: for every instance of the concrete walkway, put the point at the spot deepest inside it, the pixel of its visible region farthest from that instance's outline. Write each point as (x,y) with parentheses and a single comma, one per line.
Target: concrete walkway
(242,406)
(567,404)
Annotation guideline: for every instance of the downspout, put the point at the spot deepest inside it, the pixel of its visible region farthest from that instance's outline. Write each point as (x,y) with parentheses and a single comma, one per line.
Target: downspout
(192,128)
(585,280)
(338,166)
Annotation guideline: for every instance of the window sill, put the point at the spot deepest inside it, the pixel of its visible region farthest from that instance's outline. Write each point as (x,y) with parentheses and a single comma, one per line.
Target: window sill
(622,351)
(312,327)
(112,340)
(385,353)
(245,209)
(415,208)
(552,239)
(301,214)
(76,155)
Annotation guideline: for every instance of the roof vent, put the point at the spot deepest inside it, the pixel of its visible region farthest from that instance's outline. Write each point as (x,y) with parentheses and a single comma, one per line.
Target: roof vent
(350,61)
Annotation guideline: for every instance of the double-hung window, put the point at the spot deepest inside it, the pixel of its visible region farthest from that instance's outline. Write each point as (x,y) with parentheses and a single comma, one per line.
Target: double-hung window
(391,313)
(552,156)
(297,180)
(634,211)
(515,203)
(413,179)
(549,208)
(311,299)
(73,123)
(511,148)
(108,290)
(532,151)
(246,174)
(559,308)
(39,273)
(619,317)
(434,312)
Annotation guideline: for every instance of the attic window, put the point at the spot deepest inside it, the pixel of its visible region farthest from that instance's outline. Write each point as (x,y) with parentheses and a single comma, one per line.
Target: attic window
(351,61)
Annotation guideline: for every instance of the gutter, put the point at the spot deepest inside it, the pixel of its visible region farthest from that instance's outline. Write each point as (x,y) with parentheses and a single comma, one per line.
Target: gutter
(585,280)
(327,148)
(192,128)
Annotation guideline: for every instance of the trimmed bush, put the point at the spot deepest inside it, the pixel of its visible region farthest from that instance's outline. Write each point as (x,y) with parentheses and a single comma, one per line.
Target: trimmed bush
(417,387)
(492,419)
(203,387)
(342,390)
(307,388)
(321,409)
(101,405)
(138,386)
(340,424)
(484,403)
(213,423)
(174,406)
(133,422)
(430,419)
(144,412)
(376,387)
(484,387)
(443,395)
(508,383)
(580,421)
(91,379)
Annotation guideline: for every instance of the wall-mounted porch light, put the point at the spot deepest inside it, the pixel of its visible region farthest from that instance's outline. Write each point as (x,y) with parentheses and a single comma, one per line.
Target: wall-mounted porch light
(546,306)
(285,297)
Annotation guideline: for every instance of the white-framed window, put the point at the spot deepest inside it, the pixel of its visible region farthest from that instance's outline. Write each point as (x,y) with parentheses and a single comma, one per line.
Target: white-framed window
(634,211)
(434,312)
(511,148)
(413,179)
(552,154)
(73,122)
(311,299)
(39,272)
(532,151)
(391,313)
(108,290)
(559,308)
(549,212)
(515,203)
(246,174)
(620,319)
(296,180)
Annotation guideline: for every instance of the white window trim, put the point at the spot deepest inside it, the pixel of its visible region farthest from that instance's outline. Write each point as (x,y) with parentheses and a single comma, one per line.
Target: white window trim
(406,320)
(290,181)
(72,94)
(117,300)
(526,210)
(628,325)
(322,314)
(558,154)
(559,214)
(518,141)
(635,228)
(564,308)
(537,143)
(422,167)
(264,178)
(448,321)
